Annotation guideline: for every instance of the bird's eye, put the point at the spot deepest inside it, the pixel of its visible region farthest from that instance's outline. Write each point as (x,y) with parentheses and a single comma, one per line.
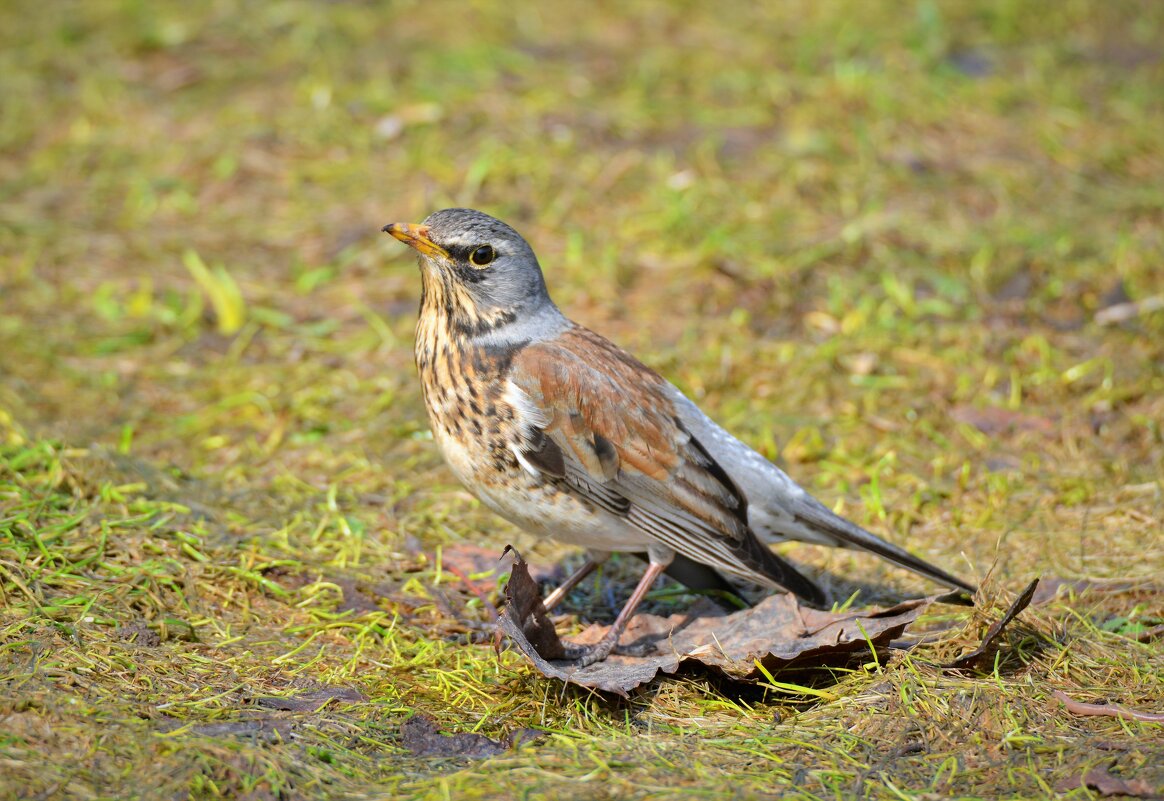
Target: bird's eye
(481,256)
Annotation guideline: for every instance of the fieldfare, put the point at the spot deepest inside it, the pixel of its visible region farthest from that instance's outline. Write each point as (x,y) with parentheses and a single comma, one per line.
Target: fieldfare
(567,435)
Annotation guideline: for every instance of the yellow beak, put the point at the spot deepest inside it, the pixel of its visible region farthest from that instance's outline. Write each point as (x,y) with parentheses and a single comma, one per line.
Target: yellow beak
(416,236)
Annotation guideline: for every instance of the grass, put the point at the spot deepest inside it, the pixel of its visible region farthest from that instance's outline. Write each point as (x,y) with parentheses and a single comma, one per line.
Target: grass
(870,239)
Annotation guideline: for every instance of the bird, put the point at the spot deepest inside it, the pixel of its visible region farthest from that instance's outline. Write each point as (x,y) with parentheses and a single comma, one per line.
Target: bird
(563,433)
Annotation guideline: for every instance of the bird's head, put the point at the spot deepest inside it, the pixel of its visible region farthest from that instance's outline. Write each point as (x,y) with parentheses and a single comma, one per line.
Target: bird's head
(475,267)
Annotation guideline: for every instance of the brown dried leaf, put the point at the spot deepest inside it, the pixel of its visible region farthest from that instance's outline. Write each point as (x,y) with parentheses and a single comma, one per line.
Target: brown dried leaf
(774,633)
(263,729)
(481,565)
(355,599)
(981,659)
(523,606)
(1106,784)
(993,420)
(420,735)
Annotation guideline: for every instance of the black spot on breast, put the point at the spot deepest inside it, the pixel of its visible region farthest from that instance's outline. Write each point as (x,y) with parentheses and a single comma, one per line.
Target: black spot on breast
(480,326)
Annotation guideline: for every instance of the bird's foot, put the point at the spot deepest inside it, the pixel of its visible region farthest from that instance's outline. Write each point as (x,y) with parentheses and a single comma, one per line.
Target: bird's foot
(583,655)
(638,650)
(589,654)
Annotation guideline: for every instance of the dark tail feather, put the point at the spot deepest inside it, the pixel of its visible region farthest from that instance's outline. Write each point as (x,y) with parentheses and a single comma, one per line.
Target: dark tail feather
(760,560)
(814,515)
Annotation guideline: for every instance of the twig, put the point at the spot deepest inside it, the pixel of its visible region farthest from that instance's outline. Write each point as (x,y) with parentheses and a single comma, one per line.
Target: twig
(1122,312)
(1111,710)
(1150,634)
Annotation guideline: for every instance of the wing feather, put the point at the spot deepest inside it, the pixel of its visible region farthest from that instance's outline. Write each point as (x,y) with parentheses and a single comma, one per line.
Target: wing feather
(603,424)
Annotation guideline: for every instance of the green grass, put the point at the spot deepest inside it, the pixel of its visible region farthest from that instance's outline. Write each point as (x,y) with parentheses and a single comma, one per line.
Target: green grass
(847,230)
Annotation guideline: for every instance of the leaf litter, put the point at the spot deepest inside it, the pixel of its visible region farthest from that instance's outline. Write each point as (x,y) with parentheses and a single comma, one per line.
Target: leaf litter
(745,645)
(421,737)
(1107,784)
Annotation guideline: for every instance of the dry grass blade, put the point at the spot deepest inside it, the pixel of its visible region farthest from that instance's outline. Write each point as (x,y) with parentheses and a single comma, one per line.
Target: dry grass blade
(1105,784)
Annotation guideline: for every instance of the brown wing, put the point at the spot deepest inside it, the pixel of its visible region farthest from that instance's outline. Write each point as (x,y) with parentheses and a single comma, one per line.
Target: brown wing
(612,436)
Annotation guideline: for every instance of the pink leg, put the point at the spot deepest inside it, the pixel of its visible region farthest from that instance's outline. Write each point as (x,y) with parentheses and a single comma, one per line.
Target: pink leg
(589,654)
(572,581)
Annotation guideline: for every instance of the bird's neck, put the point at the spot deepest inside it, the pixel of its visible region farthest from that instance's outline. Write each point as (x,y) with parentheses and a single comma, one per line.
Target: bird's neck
(449,316)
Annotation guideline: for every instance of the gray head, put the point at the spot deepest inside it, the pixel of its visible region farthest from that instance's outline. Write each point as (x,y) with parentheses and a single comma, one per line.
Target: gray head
(476,262)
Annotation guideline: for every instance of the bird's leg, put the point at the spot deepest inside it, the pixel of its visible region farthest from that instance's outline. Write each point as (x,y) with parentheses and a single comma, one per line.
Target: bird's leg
(593,560)
(589,654)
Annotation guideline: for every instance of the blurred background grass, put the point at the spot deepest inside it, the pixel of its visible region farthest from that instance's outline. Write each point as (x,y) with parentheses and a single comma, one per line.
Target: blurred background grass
(871,238)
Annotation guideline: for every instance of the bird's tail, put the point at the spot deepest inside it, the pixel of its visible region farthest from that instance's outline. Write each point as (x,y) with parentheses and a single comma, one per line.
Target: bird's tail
(816,517)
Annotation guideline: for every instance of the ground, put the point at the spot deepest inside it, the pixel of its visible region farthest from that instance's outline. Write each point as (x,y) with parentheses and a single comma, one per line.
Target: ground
(912,252)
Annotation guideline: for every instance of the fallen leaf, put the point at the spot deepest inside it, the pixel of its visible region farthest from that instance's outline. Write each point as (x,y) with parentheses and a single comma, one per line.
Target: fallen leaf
(263,729)
(482,566)
(140,634)
(993,420)
(742,645)
(355,599)
(1104,783)
(420,735)
(981,659)
(1017,287)
(523,606)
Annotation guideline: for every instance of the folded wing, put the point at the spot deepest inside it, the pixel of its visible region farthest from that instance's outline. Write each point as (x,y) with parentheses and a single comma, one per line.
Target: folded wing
(602,425)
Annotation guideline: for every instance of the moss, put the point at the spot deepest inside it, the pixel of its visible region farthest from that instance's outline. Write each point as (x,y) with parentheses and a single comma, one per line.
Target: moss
(872,244)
